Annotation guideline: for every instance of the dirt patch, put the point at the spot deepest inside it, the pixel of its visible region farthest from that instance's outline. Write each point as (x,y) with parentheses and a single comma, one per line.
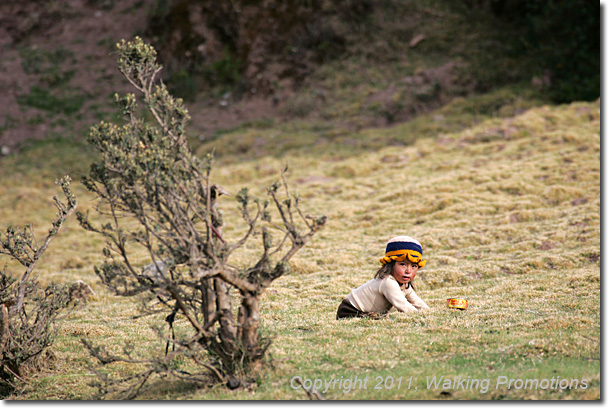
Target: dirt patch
(57,70)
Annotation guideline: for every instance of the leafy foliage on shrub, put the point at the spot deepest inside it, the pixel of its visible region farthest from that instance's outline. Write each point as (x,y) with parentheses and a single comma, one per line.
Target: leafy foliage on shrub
(28,311)
(156,197)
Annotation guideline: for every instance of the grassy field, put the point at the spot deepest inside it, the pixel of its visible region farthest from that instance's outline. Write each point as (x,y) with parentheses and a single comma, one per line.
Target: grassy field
(507,210)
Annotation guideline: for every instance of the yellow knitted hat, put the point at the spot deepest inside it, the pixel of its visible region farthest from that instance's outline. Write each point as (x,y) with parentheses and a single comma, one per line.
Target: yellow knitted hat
(400,248)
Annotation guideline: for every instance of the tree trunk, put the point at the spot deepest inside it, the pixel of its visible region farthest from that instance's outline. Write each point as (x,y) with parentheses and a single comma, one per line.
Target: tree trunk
(249,321)
(209,300)
(224,305)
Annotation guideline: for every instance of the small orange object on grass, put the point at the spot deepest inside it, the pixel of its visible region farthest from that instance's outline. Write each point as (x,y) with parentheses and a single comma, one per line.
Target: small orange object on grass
(457,304)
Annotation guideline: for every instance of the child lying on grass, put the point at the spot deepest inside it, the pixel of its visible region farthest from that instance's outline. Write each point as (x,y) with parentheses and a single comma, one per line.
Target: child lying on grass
(392,285)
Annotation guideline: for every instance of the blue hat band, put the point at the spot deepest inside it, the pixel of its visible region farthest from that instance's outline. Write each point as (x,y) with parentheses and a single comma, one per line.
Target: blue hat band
(398,246)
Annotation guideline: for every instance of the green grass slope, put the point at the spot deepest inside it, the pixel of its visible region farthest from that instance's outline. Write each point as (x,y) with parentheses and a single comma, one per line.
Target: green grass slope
(508,213)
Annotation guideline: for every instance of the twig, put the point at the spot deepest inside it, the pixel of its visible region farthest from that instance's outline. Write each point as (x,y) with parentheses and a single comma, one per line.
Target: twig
(14,374)
(64,213)
(187,312)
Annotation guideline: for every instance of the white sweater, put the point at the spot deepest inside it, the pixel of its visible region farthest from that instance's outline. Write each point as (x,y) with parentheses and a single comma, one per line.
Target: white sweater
(380,295)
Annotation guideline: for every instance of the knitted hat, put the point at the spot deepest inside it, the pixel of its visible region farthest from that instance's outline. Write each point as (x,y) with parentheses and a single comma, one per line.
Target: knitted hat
(401,248)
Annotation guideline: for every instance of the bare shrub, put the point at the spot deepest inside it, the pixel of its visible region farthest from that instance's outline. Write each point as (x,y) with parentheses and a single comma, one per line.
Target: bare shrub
(159,199)
(28,311)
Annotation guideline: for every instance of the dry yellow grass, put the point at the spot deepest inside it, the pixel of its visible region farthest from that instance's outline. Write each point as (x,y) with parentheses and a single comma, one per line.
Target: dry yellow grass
(508,213)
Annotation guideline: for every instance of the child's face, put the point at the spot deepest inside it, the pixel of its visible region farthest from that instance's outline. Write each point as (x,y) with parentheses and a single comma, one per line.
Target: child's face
(405,271)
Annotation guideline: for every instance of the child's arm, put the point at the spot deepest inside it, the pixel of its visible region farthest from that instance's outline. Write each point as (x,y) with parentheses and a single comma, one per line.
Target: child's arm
(415,300)
(391,290)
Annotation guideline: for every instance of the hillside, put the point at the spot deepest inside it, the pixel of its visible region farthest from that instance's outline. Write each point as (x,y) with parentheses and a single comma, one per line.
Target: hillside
(432,119)
(339,67)
(508,212)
